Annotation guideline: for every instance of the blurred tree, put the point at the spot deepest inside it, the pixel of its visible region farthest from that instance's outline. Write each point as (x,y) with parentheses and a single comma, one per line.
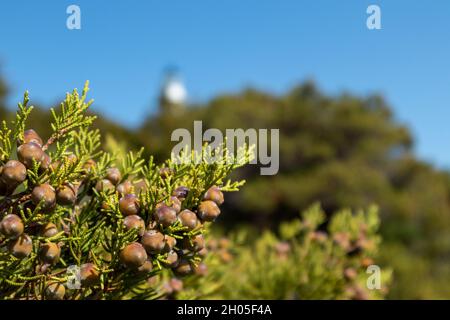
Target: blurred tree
(344,151)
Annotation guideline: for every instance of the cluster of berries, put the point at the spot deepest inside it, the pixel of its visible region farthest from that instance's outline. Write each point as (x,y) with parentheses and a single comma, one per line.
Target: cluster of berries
(170,237)
(18,237)
(177,249)
(30,153)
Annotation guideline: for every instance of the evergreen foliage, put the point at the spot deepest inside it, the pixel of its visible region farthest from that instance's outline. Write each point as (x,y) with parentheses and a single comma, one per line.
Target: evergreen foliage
(67,202)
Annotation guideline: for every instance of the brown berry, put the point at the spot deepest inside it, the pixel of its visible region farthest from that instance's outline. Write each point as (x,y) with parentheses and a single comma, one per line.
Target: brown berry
(319,236)
(11,226)
(89,165)
(134,222)
(45,162)
(13,173)
(55,291)
(49,253)
(165,172)
(201,269)
(208,210)
(224,243)
(55,165)
(104,185)
(225,255)
(31,136)
(48,230)
(89,275)
(28,152)
(282,248)
(213,244)
(66,194)
(170,243)
(350,273)
(146,267)
(214,194)
(113,175)
(153,241)
(176,284)
(129,205)
(171,259)
(140,186)
(21,247)
(175,203)
(46,194)
(183,268)
(166,215)
(202,253)
(196,243)
(181,192)
(365,262)
(188,219)
(133,255)
(124,188)
(71,158)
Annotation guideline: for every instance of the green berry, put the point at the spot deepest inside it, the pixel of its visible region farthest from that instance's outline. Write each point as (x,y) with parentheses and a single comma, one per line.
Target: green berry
(129,205)
(133,255)
(134,222)
(11,226)
(49,253)
(55,291)
(208,210)
(188,219)
(46,194)
(21,247)
(214,194)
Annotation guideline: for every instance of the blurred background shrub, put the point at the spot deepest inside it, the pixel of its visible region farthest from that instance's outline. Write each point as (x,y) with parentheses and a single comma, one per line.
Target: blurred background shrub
(297,261)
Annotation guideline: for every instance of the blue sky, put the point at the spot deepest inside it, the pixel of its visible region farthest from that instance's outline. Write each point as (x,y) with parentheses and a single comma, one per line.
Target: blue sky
(223,46)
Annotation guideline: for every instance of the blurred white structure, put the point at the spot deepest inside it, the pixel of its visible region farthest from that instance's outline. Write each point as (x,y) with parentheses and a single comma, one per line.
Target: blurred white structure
(173,93)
